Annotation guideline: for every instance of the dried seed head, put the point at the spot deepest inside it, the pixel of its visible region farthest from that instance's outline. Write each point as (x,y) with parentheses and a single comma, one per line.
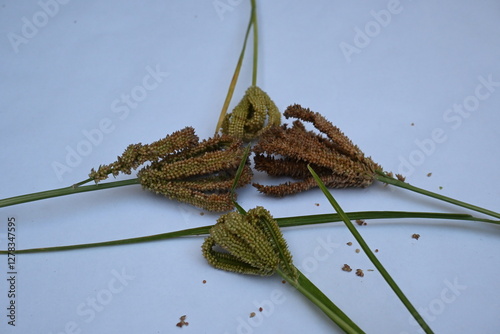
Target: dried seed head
(137,154)
(182,168)
(251,243)
(255,113)
(286,151)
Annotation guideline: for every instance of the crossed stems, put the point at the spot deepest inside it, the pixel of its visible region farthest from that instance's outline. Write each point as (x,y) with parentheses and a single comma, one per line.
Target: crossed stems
(252,243)
(288,151)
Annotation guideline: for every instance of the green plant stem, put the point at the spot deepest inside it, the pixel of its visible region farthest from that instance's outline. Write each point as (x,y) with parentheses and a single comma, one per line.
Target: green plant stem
(236,73)
(385,274)
(240,169)
(382,177)
(74,189)
(282,222)
(315,295)
(78,184)
(255,42)
(362,215)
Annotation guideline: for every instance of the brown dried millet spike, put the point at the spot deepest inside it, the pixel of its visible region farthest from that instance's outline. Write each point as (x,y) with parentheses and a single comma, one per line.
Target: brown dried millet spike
(342,143)
(288,151)
(137,154)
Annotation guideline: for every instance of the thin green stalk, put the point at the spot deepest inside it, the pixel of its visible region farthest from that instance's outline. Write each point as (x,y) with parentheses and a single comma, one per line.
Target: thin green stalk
(239,171)
(385,274)
(362,215)
(382,177)
(74,189)
(150,238)
(237,177)
(282,222)
(315,295)
(255,42)
(236,74)
(82,182)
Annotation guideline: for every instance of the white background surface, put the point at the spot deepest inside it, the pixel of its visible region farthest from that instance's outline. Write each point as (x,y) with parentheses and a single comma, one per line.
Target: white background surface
(69,74)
